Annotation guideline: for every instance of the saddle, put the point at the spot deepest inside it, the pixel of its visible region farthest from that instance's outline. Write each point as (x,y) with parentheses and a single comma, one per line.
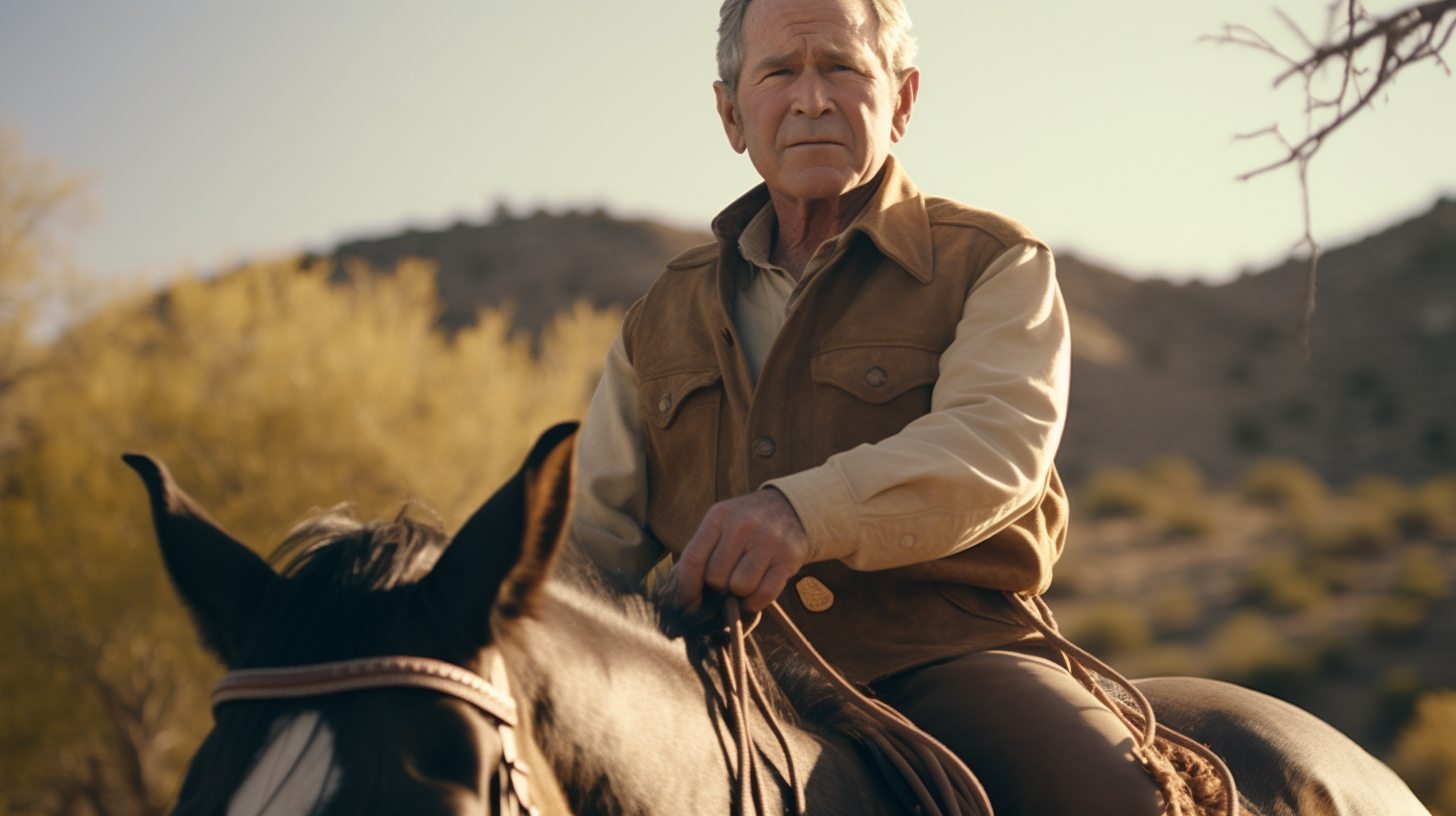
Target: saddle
(1194,781)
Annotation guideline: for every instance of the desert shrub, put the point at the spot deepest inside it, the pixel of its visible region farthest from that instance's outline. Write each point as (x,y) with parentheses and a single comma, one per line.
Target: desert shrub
(1339,572)
(1165,661)
(1380,492)
(1431,509)
(1283,483)
(1168,489)
(1176,610)
(1186,516)
(1290,487)
(1400,687)
(1364,532)
(1396,618)
(1425,753)
(1173,473)
(1118,492)
(1331,651)
(1112,627)
(1423,576)
(1281,584)
(1249,649)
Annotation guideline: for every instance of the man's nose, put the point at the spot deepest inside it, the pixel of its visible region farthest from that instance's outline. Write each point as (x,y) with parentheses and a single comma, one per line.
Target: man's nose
(811,95)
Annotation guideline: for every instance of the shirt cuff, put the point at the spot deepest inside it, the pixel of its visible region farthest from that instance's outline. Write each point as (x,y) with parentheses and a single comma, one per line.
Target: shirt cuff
(826,508)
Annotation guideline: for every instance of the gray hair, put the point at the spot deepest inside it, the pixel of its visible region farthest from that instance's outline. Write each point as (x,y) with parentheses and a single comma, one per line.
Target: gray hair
(896,47)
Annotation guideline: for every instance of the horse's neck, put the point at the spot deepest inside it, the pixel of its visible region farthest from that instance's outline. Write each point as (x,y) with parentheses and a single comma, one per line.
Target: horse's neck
(629,725)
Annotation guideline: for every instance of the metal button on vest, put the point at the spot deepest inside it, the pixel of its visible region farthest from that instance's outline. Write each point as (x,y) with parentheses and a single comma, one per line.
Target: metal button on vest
(907,542)
(877,377)
(666,404)
(764,447)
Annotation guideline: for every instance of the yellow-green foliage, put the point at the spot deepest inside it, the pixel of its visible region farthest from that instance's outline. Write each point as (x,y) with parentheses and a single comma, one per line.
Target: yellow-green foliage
(1249,649)
(1280,583)
(1288,486)
(1425,754)
(1118,491)
(1176,609)
(1423,576)
(36,200)
(269,392)
(1432,508)
(1396,618)
(1112,627)
(1167,489)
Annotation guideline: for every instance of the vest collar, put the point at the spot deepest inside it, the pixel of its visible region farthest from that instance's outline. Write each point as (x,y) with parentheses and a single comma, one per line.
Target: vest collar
(894,219)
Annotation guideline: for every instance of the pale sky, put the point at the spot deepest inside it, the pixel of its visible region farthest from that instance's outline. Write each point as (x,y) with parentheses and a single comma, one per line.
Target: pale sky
(216,132)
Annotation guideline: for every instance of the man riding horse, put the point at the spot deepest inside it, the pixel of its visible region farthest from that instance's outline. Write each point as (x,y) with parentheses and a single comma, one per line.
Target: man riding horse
(856,392)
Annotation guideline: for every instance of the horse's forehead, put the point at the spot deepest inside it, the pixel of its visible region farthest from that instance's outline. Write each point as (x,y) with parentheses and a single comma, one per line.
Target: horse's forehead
(295,774)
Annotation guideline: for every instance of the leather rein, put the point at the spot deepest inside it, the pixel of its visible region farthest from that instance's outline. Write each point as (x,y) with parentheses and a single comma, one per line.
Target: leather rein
(491,696)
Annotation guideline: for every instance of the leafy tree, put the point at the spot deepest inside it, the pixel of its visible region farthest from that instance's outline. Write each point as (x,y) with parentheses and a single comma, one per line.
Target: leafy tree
(36,199)
(269,391)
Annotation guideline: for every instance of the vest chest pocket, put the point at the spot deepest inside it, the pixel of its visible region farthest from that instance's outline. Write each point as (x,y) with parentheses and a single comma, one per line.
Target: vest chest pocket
(866,393)
(679,413)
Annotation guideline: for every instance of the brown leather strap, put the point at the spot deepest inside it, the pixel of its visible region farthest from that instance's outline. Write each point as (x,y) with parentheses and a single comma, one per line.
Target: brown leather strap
(941,783)
(318,679)
(1138,718)
(399,671)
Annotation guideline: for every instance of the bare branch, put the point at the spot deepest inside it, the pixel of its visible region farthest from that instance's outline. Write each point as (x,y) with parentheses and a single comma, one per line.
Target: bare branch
(1367,53)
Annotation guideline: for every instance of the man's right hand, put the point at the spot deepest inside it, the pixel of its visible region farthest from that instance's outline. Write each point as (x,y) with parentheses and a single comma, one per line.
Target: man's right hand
(749,546)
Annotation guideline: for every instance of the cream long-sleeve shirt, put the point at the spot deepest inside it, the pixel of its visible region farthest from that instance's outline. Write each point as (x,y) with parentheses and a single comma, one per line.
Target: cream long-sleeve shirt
(961,473)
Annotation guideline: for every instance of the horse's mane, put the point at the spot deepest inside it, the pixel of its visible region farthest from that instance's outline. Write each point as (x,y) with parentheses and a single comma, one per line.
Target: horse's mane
(334,548)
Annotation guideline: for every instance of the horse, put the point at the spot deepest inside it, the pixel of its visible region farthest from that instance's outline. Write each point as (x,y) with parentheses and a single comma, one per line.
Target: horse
(621,710)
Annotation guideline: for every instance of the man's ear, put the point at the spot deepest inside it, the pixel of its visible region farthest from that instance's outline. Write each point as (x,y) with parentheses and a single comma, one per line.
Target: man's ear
(221,581)
(728,112)
(904,103)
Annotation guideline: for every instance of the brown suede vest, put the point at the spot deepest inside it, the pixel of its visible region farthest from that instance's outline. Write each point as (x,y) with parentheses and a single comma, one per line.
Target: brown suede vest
(854,363)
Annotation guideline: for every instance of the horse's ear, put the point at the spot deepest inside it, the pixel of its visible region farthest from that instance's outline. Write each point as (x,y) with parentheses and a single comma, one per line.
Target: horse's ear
(221,581)
(504,552)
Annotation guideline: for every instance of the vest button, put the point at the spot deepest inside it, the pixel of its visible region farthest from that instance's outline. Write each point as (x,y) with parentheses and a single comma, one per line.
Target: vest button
(764,447)
(907,542)
(877,377)
(666,404)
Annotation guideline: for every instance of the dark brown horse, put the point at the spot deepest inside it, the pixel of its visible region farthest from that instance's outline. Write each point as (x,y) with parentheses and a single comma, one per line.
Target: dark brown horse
(627,719)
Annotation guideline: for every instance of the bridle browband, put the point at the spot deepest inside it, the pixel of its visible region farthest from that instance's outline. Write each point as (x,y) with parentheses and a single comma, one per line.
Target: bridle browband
(492,696)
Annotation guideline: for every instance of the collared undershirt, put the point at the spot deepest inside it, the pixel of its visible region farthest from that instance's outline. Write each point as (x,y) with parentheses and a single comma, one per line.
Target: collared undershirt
(768,293)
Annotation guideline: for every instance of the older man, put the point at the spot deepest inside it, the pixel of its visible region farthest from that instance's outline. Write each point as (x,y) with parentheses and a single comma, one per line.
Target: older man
(856,392)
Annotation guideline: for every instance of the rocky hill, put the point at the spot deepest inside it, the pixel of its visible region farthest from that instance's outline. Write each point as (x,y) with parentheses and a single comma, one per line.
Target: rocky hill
(1212,372)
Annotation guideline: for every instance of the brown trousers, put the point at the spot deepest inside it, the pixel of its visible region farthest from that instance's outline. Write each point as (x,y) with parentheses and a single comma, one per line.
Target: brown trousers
(1040,743)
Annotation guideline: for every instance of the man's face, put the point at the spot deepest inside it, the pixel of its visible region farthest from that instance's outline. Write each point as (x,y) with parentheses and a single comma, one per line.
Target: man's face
(817,109)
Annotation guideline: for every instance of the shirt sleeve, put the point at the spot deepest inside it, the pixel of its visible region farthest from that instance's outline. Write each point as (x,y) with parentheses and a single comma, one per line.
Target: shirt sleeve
(611,484)
(980,459)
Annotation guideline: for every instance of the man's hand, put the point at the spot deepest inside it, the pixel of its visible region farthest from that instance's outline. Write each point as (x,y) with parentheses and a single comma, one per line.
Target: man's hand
(749,546)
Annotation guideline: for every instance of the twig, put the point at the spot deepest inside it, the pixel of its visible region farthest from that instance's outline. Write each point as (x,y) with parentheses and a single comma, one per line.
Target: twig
(1411,35)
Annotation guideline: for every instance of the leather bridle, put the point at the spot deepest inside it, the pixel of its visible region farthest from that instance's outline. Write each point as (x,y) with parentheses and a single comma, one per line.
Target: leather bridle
(396,671)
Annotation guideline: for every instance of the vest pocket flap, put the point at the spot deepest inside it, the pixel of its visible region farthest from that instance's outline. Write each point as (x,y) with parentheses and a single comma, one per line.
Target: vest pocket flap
(876,374)
(661,398)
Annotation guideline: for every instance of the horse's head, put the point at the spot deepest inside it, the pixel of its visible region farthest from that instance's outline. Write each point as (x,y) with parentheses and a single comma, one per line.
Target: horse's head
(351,592)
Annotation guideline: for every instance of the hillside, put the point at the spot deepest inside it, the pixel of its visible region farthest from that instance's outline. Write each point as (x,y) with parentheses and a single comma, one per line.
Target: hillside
(1214,373)
(540,263)
(1208,371)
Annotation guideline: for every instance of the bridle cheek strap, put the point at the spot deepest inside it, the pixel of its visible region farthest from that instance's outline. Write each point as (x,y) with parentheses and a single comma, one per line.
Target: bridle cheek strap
(396,671)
